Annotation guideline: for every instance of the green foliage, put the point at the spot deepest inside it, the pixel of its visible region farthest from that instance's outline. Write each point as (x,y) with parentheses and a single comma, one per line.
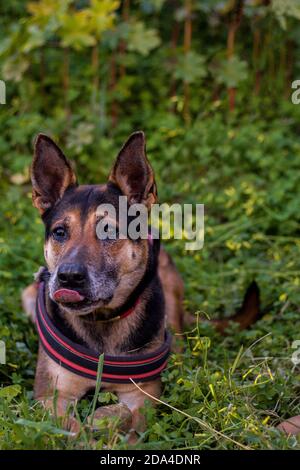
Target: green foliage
(191,68)
(89,73)
(231,72)
(142,40)
(284,9)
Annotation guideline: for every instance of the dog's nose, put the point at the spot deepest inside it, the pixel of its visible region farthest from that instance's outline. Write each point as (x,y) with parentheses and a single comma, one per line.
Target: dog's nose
(72,275)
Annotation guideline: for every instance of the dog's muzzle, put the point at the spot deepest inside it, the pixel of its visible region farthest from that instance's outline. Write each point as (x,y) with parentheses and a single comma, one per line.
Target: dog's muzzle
(84,361)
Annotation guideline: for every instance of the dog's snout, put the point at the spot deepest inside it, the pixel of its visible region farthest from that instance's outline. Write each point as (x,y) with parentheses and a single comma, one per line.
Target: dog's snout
(72,275)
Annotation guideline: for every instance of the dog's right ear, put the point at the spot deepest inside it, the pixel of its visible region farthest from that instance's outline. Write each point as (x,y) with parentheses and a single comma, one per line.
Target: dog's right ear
(132,172)
(51,174)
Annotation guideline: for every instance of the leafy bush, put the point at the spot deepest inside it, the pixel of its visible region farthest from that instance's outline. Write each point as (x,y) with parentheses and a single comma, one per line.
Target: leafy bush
(220,131)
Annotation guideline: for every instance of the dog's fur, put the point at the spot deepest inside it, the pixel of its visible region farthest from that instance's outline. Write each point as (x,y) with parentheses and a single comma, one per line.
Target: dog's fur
(117,272)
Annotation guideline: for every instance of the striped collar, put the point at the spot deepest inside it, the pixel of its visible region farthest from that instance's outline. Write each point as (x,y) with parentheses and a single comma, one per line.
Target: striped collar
(84,361)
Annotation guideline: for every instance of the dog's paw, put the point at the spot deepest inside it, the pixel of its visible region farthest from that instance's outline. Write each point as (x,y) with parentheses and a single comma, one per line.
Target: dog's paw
(290,426)
(72,424)
(118,411)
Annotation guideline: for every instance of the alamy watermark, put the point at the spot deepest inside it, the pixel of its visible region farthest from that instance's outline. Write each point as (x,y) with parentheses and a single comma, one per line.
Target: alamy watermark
(296,354)
(2,352)
(2,92)
(180,222)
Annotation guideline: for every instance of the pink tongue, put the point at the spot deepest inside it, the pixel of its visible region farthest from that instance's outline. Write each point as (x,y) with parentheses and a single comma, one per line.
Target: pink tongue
(67,295)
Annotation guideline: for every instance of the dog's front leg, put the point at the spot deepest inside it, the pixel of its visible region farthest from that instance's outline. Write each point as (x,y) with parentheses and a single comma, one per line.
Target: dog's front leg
(135,399)
(59,407)
(128,410)
(118,411)
(58,389)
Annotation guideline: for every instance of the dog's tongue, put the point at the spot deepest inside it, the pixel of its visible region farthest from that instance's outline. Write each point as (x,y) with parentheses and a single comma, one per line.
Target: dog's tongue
(67,295)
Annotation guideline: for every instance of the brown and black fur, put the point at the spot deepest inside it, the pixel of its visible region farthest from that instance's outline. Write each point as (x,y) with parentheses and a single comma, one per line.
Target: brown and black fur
(110,274)
(118,272)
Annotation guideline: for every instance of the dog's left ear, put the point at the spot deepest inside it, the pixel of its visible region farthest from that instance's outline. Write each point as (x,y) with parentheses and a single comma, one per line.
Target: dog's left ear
(133,174)
(51,174)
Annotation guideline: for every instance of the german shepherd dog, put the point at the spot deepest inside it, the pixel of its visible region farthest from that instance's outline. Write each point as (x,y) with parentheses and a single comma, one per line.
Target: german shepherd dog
(104,277)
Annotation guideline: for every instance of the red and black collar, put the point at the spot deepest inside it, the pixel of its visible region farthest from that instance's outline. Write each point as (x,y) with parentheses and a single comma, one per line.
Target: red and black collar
(84,361)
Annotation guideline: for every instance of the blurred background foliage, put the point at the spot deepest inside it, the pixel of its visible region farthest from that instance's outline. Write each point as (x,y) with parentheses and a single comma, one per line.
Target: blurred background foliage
(210,83)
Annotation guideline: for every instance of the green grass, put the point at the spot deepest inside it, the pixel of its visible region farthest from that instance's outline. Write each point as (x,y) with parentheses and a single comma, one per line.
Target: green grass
(222,392)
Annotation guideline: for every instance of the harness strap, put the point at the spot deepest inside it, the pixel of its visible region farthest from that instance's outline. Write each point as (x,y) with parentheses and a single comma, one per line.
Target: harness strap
(84,361)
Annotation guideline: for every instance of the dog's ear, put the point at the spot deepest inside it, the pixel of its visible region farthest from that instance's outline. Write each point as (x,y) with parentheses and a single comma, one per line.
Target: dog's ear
(132,172)
(51,174)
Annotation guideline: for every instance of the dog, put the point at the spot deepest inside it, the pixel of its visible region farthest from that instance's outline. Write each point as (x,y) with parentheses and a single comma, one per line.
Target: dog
(89,283)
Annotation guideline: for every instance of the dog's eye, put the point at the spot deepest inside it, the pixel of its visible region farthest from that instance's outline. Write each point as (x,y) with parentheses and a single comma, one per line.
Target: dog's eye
(59,233)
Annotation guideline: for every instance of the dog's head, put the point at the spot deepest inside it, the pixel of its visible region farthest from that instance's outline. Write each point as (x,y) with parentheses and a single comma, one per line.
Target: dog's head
(89,273)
